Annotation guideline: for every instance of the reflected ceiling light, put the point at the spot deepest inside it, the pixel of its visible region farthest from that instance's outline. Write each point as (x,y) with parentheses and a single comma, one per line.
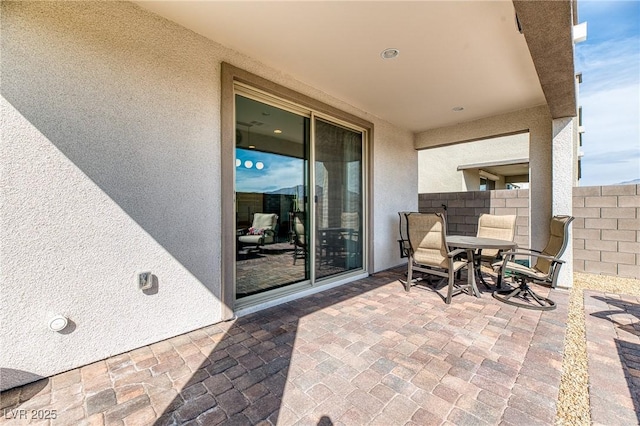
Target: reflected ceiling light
(238,162)
(252,147)
(259,165)
(457,109)
(248,164)
(390,53)
(278,131)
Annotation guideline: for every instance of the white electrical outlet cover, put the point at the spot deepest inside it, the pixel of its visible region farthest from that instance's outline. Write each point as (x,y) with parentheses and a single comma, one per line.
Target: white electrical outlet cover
(58,323)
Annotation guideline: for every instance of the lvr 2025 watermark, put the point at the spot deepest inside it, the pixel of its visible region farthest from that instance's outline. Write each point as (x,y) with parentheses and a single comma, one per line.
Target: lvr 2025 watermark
(24,414)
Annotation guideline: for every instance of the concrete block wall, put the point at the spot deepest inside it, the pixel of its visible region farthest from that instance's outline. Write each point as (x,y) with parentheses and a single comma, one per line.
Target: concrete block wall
(464,208)
(606,231)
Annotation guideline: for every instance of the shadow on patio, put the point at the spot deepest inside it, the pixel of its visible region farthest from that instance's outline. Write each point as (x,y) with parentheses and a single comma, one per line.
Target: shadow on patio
(613,342)
(363,353)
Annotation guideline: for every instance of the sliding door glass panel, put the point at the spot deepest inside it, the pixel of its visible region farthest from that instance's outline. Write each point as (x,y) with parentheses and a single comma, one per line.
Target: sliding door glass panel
(272,224)
(339,199)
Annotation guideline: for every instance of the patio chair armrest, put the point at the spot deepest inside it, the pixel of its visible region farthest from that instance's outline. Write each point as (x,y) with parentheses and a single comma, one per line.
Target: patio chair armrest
(520,252)
(554,259)
(531,253)
(508,255)
(405,248)
(456,252)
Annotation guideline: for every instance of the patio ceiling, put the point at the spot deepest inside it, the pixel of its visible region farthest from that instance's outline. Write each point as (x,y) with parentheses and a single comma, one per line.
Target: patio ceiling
(452,54)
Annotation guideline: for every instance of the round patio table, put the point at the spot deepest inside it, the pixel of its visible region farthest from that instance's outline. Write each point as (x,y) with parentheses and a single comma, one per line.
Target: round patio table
(471,244)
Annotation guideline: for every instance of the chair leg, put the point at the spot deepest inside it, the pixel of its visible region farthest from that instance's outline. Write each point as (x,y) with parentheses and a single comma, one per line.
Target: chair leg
(522,296)
(407,285)
(478,268)
(450,287)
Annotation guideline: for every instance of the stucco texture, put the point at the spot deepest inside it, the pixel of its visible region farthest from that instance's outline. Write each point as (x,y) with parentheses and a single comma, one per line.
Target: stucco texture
(537,121)
(438,167)
(111,165)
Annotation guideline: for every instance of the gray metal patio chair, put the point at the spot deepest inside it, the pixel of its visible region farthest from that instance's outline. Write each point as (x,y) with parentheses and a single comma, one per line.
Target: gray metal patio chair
(544,271)
(428,252)
(299,238)
(501,227)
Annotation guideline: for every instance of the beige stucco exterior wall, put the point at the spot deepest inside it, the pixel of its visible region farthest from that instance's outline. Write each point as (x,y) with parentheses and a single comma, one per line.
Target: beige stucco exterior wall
(438,167)
(563,178)
(537,121)
(111,165)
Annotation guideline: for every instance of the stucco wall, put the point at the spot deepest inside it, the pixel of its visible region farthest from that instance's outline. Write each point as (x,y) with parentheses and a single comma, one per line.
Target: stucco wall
(395,183)
(537,121)
(438,167)
(111,165)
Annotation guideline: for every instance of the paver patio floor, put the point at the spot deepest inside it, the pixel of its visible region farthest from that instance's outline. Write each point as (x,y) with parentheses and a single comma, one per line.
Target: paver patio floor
(363,353)
(613,348)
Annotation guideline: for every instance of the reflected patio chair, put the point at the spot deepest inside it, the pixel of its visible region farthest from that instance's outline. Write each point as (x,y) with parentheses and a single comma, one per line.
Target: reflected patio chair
(350,236)
(428,252)
(262,231)
(339,246)
(299,239)
(544,271)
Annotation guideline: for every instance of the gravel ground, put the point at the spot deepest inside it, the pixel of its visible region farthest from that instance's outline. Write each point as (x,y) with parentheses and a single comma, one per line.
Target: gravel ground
(573,399)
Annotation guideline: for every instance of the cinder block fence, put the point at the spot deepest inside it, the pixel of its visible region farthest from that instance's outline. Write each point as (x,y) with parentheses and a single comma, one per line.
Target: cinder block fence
(606,231)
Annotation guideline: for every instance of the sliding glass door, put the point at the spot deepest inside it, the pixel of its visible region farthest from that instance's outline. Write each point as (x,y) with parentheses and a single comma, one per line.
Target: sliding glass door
(338,210)
(298,195)
(272,174)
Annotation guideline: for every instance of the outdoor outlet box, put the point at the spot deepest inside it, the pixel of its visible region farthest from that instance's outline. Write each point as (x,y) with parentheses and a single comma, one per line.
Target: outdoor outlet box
(145,280)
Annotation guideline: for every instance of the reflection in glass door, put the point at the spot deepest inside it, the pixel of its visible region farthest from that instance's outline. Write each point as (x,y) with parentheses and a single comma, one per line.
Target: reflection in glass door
(272,226)
(282,238)
(338,209)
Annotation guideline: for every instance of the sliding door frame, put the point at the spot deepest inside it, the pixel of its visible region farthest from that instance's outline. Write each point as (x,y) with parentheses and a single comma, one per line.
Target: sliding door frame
(230,75)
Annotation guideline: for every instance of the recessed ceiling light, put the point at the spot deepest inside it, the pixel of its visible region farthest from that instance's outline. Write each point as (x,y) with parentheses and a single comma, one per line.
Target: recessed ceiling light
(278,131)
(252,147)
(390,53)
(457,109)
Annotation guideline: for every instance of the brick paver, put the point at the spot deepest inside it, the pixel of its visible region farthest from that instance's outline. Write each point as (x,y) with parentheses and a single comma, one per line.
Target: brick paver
(613,348)
(364,353)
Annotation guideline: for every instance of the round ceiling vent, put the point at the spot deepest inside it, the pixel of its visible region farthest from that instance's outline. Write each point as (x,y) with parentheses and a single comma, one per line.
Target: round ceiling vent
(390,53)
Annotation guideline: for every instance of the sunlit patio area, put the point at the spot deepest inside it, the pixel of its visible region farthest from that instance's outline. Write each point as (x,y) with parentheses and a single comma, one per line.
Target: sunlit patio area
(211,208)
(365,353)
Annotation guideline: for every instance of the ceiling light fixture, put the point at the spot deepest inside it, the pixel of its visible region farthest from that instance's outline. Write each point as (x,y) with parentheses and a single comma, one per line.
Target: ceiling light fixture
(457,109)
(277,131)
(390,53)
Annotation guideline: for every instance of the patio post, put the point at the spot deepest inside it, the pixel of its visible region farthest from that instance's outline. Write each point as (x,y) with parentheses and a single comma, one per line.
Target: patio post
(564,130)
